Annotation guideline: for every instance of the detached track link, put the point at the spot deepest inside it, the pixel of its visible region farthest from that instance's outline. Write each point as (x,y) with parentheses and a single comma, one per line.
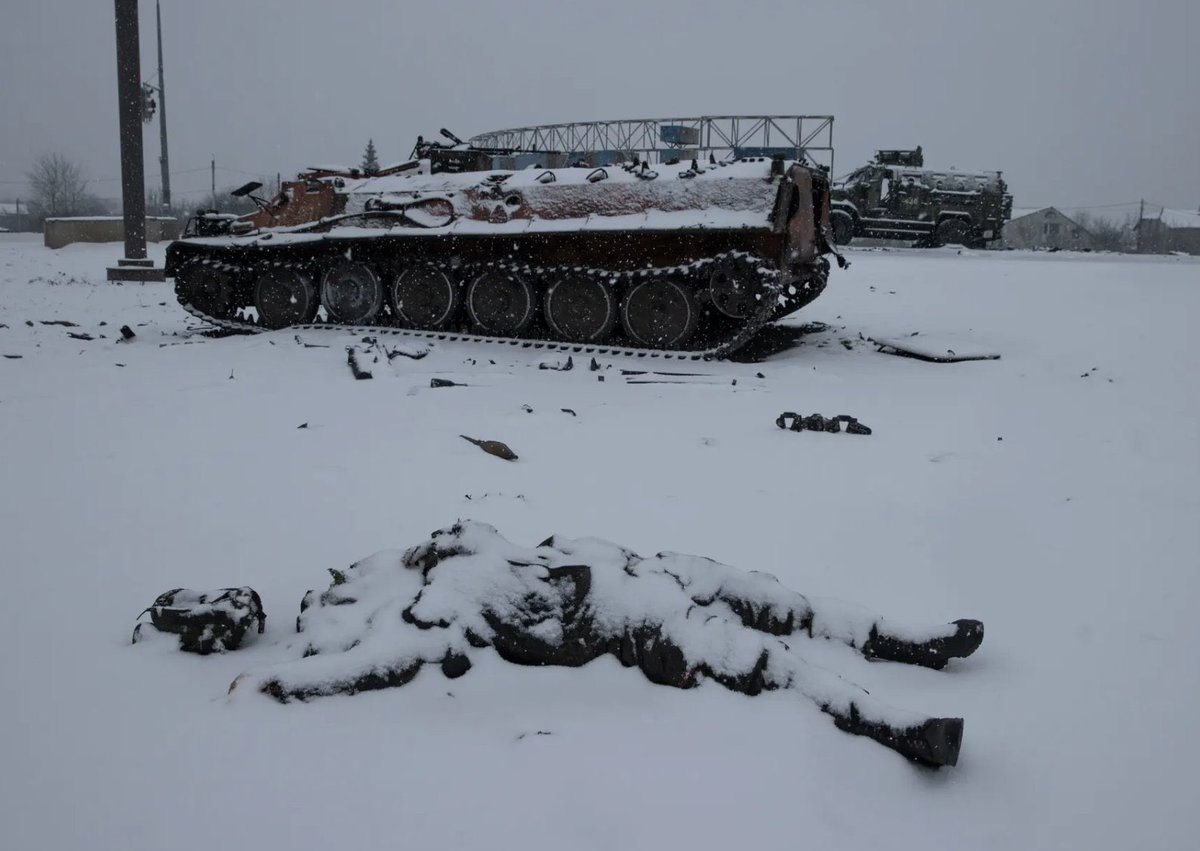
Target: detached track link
(770,280)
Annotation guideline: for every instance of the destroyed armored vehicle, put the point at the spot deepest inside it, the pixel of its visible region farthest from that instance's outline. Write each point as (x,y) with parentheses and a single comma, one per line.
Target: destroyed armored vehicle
(896,197)
(692,257)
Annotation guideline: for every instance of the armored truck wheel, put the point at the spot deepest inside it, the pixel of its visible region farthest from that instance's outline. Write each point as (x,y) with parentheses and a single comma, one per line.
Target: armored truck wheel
(285,296)
(842,225)
(426,298)
(953,232)
(660,313)
(581,309)
(352,293)
(501,303)
(208,288)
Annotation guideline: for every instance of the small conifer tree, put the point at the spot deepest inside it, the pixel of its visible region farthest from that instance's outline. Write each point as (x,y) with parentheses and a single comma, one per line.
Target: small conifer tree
(370,163)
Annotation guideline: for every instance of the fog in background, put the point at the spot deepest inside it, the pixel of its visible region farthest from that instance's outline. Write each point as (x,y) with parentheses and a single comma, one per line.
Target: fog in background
(1079,102)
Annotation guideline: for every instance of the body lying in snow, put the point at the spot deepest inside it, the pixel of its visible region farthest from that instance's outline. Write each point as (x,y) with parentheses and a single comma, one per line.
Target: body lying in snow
(677,618)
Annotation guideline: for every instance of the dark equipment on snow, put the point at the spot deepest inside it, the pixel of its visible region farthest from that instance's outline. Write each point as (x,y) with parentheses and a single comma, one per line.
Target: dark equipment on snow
(815,422)
(211,622)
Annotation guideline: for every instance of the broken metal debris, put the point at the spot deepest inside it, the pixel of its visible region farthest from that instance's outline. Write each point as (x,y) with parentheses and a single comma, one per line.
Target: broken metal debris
(492,447)
(445,382)
(559,366)
(929,351)
(359,372)
(309,345)
(816,422)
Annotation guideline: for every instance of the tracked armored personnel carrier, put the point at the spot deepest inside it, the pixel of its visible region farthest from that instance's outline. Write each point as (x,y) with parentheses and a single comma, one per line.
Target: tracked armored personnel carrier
(688,259)
(896,197)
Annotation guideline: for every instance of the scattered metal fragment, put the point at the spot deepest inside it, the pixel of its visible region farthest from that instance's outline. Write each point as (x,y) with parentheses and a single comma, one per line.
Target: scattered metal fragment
(816,422)
(445,382)
(559,366)
(538,733)
(309,345)
(927,350)
(302,425)
(568,411)
(594,366)
(79,336)
(126,332)
(359,373)
(492,447)
(527,409)
(14,357)
(64,323)
(652,372)
(401,353)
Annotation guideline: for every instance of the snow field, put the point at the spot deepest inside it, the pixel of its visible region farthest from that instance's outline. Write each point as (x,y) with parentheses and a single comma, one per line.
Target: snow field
(1074,538)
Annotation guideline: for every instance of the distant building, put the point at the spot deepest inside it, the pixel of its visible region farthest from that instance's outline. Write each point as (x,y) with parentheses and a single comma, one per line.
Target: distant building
(1170,230)
(1046,228)
(14,216)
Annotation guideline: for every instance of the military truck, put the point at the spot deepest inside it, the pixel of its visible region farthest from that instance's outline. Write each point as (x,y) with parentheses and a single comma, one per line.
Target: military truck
(896,197)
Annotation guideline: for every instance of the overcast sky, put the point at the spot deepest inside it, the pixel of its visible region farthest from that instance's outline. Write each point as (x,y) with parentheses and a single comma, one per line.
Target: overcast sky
(1080,102)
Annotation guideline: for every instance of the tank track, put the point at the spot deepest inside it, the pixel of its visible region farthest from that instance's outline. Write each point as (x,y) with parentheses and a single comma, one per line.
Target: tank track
(770,307)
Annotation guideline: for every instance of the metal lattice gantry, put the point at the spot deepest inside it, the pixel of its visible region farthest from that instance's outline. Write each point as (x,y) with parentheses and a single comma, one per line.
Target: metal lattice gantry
(800,136)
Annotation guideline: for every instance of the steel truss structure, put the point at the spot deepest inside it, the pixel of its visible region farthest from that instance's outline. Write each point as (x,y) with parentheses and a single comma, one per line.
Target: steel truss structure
(803,137)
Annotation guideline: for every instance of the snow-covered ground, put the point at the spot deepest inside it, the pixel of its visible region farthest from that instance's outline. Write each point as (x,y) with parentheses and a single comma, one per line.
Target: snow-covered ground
(1051,493)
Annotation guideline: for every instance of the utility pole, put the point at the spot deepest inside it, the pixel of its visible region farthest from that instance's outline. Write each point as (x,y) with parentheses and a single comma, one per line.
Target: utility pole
(1138,229)
(214,176)
(162,115)
(134,266)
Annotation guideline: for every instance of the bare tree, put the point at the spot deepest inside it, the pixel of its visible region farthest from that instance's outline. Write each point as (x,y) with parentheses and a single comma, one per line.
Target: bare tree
(1108,234)
(58,187)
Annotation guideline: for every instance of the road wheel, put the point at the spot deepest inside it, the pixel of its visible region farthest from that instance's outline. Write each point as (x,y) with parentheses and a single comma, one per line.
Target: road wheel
(953,232)
(842,225)
(285,296)
(209,289)
(352,293)
(580,309)
(425,297)
(660,313)
(501,303)
(732,287)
